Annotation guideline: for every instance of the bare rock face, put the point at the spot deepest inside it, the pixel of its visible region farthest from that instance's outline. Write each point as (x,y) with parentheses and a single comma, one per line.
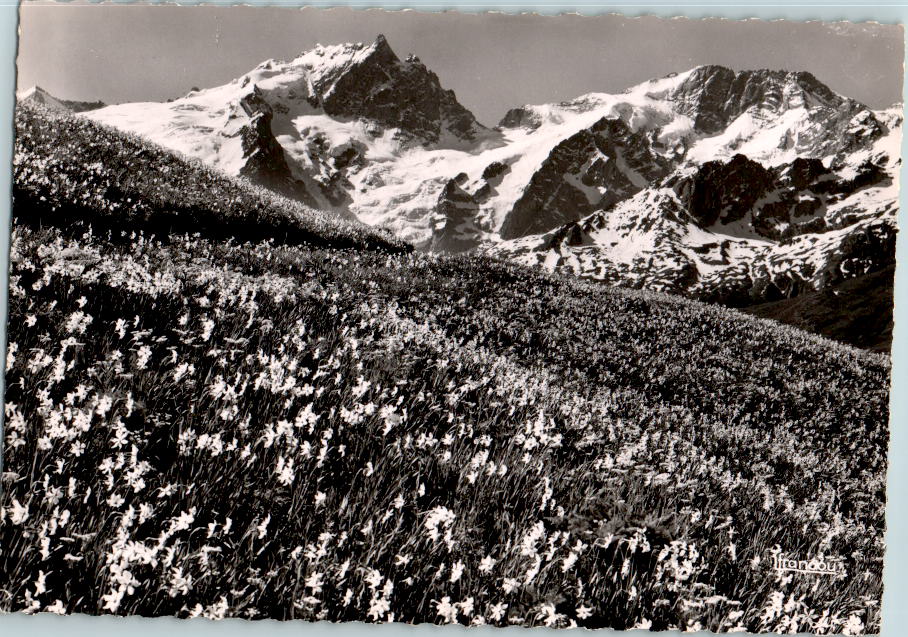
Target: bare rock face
(775,203)
(457,211)
(714,96)
(789,218)
(264,161)
(378,86)
(724,191)
(520,117)
(591,170)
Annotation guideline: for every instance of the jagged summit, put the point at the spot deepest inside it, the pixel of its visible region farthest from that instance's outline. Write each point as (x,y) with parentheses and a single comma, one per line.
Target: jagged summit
(711,182)
(359,80)
(715,95)
(303,125)
(735,186)
(29,92)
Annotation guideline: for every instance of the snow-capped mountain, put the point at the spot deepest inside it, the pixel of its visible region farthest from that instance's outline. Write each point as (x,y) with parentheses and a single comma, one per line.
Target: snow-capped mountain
(735,186)
(777,185)
(310,126)
(37,95)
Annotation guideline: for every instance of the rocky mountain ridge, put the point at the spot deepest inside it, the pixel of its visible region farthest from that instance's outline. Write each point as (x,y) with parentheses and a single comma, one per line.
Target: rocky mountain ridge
(738,186)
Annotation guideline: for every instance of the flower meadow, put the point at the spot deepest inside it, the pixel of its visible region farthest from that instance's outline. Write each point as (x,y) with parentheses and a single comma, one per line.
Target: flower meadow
(216,426)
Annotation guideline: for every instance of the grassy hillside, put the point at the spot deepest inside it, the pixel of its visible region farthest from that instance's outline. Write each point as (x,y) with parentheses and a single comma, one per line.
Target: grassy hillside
(200,426)
(70,169)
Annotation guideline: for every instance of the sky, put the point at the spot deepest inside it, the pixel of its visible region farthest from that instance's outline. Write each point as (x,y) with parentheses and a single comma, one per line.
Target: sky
(493,62)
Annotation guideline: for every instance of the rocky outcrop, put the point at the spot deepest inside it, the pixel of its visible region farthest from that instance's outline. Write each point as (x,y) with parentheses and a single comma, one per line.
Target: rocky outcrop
(777,203)
(723,192)
(520,117)
(375,84)
(714,96)
(456,230)
(263,157)
(591,170)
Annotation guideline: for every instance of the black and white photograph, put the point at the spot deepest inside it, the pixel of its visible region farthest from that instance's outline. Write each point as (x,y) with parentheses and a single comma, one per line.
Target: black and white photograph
(495,319)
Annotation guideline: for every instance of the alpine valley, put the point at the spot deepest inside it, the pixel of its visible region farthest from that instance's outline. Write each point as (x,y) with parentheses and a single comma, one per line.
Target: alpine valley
(759,189)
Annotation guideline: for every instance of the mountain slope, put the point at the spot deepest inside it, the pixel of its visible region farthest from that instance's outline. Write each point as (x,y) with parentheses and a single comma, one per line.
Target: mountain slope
(37,95)
(795,191)
(736,232)
(316,118)
(219,424)
(857,311)
(741,187)
(73,171)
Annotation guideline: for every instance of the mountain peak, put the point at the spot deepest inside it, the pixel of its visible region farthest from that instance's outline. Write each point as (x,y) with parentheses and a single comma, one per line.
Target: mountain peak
(714,95)
(328,60)
(705,70)
(29,92)
(381,41)
(37,95)
(370,81)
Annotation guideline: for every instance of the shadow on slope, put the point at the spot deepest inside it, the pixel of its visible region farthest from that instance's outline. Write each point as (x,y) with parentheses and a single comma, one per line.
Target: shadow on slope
(857,311)
(69,170)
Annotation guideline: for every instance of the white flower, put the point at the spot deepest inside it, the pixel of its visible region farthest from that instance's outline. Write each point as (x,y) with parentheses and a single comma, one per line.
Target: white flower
(315,582)
(447,610)
(112,599)
(182,370)
(146,511)
(11,350)
(549,615)
(284,471)
(486,564)
(217,610)
(440,516)
(179,584)
(378,608)
(263,527)
(143,356)
(40,587)
(78,322)
(583,612)
(18,513)
(456,571)
(497,611)
(854,626)
(207,328)
(568,562)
